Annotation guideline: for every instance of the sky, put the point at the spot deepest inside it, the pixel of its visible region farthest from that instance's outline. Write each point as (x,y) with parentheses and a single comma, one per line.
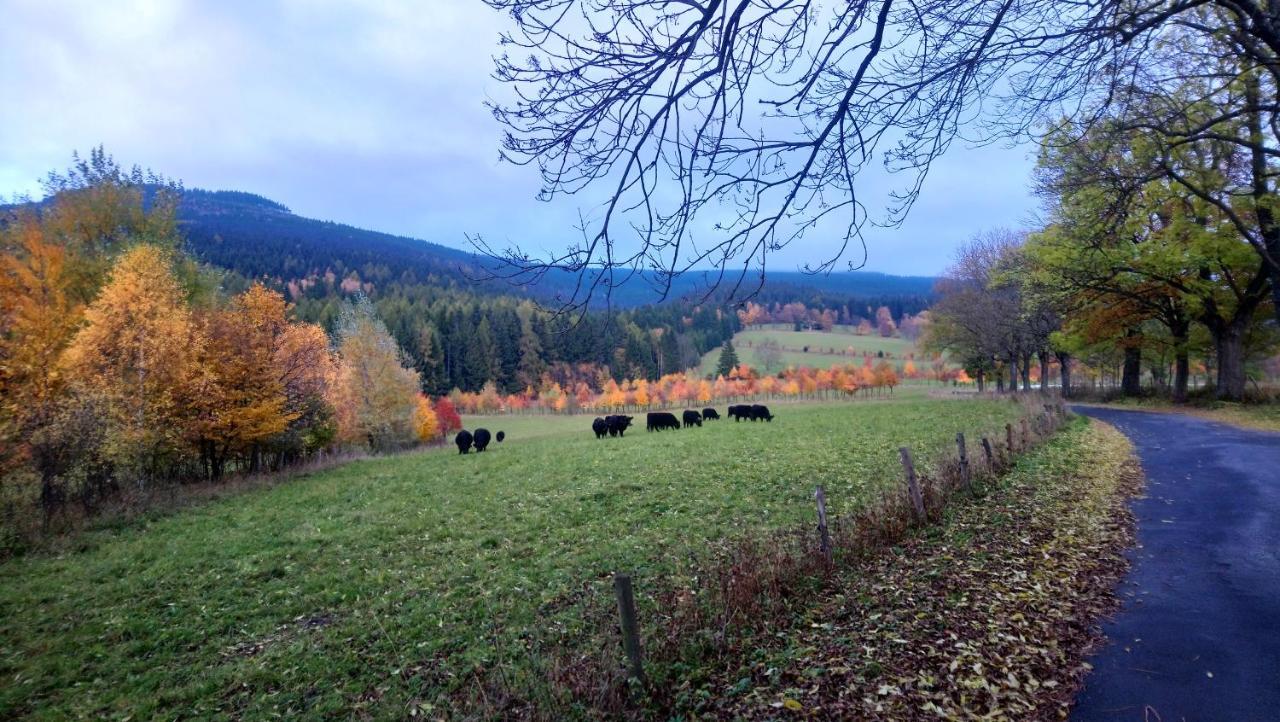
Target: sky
(367,112)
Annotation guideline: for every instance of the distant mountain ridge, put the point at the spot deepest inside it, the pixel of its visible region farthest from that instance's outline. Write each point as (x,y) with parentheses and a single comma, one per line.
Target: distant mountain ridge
(259,237)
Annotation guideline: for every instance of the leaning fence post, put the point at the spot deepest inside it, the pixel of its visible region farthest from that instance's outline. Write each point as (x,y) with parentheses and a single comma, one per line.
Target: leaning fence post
(964,461)
(627,615)
(824,536)
(913,486)
(1008,437)
(991,457)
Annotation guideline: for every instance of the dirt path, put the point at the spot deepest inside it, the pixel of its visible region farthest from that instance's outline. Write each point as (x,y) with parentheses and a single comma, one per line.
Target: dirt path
(1198,637)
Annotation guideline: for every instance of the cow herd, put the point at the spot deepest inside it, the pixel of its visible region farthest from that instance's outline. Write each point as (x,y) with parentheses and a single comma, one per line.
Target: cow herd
(480,440)
(617,424)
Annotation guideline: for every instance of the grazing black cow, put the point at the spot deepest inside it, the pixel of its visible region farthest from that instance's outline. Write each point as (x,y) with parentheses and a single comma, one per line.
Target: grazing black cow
(710,415)
(482,439)
(692,418)
(760,412)
(463,440)
(617,424)
(659,420)
(600,426)
(501,435)
(740,412)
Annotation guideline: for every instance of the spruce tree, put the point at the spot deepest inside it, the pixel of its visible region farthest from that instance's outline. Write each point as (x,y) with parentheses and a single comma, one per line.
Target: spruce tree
(728,359)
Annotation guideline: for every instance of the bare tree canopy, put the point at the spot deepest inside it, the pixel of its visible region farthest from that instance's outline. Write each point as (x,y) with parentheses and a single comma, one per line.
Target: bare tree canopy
(723,130)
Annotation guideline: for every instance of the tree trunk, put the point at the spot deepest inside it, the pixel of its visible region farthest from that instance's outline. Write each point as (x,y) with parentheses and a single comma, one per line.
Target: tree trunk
(1131,379)
(1064,372)
(1181,370)
(981,380)
(1180,329)
(1230,346)
(1044,370)
(1013,373)
(1263,192)
(1026,371)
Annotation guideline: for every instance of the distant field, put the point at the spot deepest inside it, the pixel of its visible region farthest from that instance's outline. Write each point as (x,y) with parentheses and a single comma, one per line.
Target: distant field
(826,349)
(373,589)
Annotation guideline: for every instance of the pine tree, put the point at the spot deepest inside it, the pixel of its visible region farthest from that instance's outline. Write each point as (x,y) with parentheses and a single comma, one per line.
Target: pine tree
(531,362)
(430,361)
(728,359)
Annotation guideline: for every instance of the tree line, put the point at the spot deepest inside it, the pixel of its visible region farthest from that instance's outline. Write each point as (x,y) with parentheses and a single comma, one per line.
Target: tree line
(1157,253)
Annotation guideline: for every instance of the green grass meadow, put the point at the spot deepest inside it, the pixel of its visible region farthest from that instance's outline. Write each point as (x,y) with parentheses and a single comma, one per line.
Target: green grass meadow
(374,589)
(820,343)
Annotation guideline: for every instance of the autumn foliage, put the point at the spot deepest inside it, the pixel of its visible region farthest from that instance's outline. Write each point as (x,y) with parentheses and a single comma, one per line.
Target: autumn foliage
(123,365)
(687,389)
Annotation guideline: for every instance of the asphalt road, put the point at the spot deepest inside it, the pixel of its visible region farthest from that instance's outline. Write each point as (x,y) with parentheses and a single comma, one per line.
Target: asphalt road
(1198,636)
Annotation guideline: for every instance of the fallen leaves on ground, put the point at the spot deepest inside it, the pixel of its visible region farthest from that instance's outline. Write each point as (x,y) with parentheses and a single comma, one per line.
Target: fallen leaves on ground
(986,616)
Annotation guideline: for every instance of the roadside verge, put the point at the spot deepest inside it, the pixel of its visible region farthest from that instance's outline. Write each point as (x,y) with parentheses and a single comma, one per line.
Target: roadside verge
(990,613)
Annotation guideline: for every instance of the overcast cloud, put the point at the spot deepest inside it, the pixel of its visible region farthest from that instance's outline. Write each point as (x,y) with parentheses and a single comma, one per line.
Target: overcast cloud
(367,112)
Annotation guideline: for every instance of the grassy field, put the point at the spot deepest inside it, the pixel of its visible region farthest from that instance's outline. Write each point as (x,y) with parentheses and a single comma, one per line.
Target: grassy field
(826,349)
(375,589)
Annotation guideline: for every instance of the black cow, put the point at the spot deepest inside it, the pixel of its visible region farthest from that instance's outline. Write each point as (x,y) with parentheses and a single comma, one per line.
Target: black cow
(600,427)
(463,440)
(760,412)
(692,418)
(659,420)
(740,412)
(482,439)
(617,424)
(710,415)
(501,435)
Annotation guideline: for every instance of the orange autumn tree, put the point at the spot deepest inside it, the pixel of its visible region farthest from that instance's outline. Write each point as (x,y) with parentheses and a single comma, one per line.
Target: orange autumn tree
(240,402)
(38,317)
(306,367)
(426,426)
(138,353)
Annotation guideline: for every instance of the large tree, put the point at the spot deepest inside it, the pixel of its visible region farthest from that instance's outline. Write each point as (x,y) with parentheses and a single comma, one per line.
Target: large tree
(1150,228)
(719,131)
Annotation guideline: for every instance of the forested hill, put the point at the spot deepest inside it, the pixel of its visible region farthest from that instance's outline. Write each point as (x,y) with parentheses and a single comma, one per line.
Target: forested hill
(258,237)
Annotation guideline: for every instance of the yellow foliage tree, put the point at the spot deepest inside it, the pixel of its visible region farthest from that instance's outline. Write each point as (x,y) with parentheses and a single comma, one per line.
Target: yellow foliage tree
(426,425)
(704,391)
(642,393)
(137,351)
(373,393)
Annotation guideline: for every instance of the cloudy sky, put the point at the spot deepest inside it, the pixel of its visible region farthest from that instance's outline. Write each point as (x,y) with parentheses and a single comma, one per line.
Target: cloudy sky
(367,112)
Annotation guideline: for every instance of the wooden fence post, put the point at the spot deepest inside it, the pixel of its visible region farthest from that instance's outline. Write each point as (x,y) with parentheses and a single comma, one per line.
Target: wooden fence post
(991,457)
(913,486)
(1008,437)
(964,462)
(1026,439)
(630,633)
(824,536)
